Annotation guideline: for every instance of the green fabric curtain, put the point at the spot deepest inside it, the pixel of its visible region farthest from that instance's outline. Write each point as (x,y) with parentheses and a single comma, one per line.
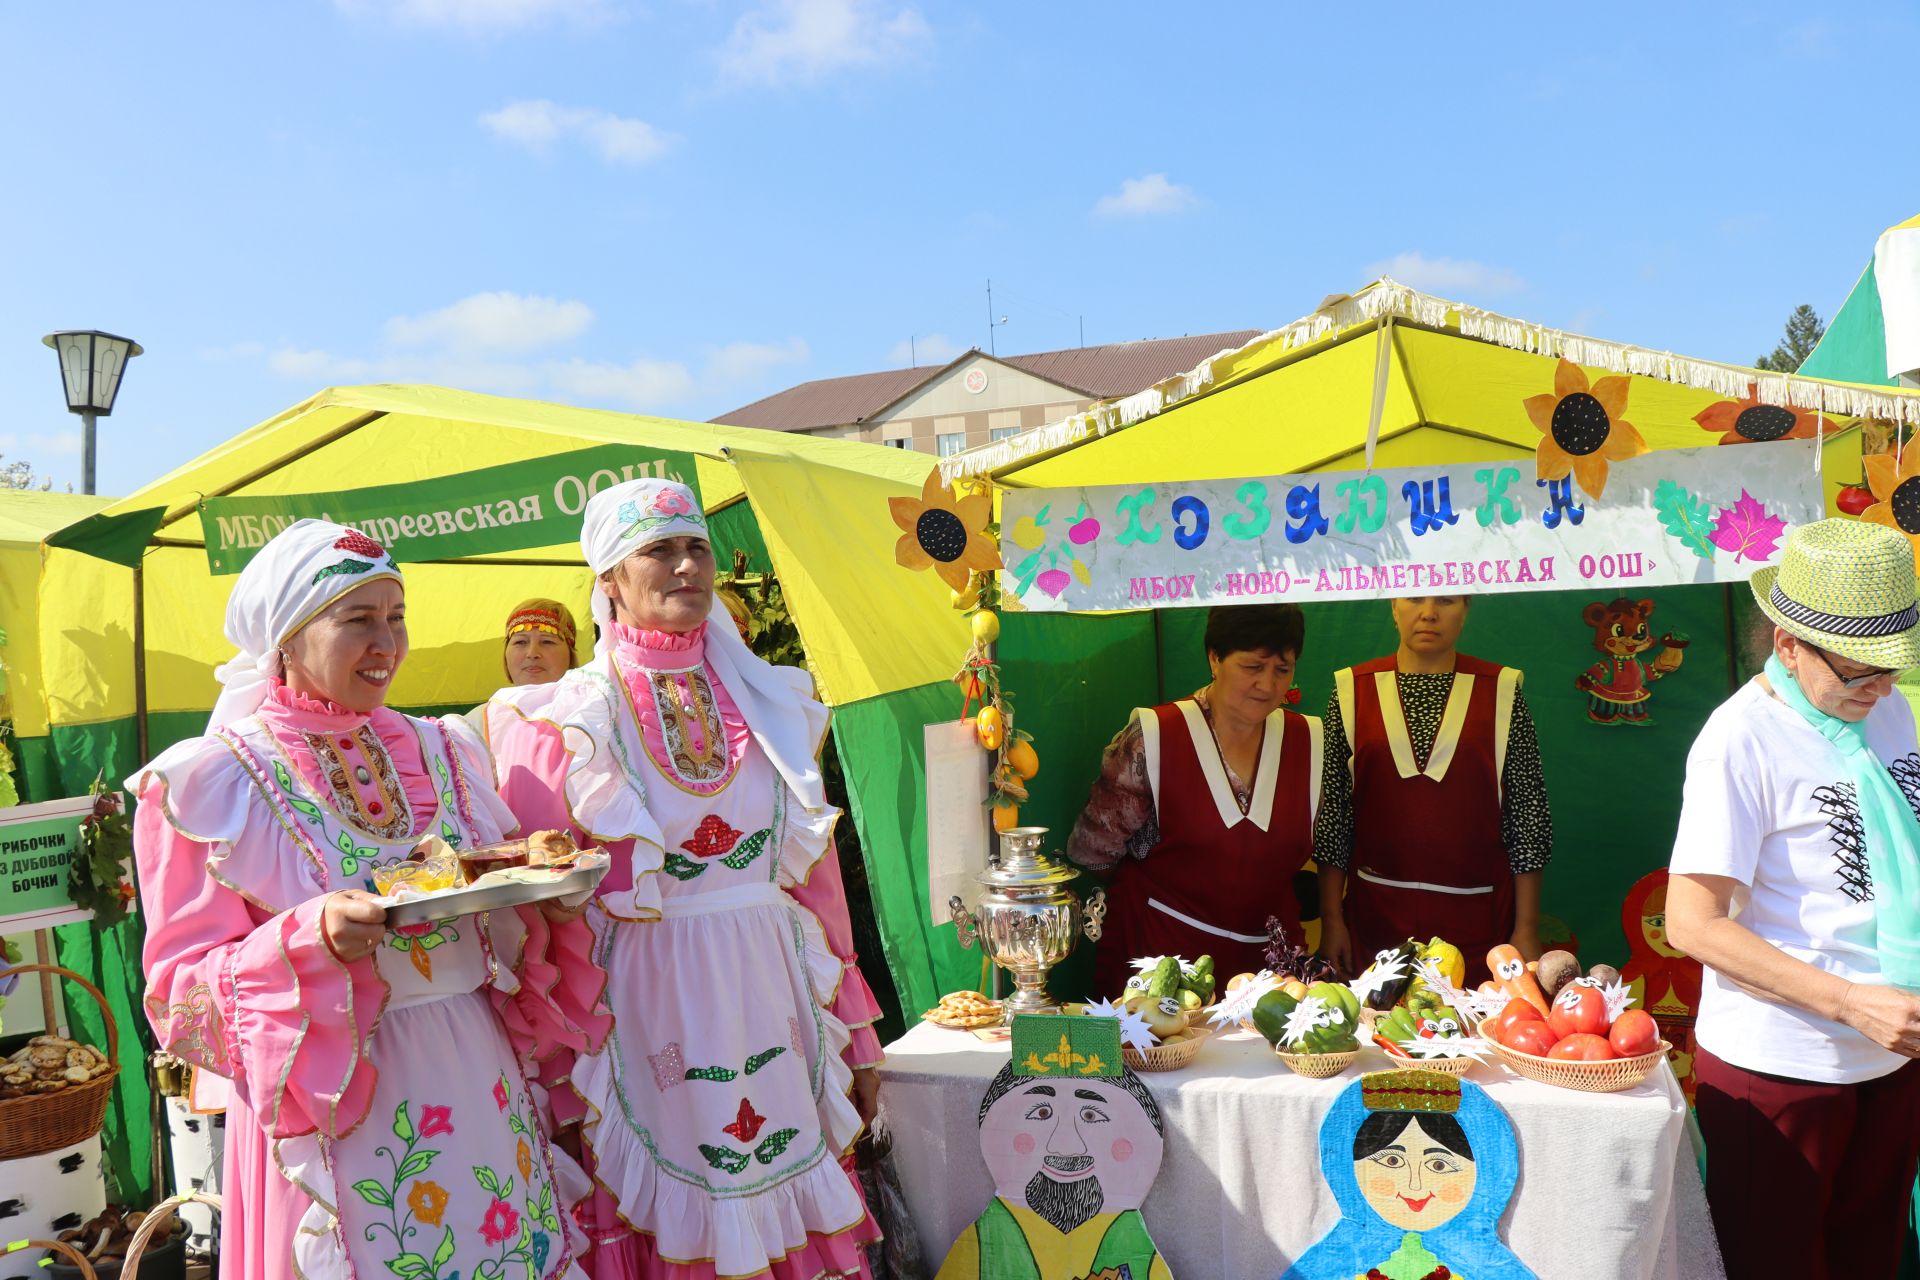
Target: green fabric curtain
(1074,678)
(883,756)
(735,528)
(66,765)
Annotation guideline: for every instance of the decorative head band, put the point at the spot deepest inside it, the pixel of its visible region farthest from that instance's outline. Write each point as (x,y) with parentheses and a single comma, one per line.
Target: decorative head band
(549,616)
(1411,1089)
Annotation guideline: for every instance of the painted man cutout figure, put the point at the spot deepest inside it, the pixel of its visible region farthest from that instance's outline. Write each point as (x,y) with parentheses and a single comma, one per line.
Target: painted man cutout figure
(1073,1141)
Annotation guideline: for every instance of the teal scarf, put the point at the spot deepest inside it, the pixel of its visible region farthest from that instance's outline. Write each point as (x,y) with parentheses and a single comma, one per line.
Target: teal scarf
(1892,833)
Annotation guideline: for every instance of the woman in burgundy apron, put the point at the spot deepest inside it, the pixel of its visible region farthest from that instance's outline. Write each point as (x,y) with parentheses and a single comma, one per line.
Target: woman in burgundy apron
(1438,824)
(1204,807)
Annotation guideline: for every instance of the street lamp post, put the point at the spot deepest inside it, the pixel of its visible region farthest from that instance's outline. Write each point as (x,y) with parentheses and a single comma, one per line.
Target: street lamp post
(91,365)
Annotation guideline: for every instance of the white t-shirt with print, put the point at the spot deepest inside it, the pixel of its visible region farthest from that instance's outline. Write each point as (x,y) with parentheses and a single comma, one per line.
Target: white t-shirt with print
(1767,802)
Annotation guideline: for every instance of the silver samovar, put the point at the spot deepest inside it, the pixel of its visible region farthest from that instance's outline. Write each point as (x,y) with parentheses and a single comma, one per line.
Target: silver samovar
(1028,920)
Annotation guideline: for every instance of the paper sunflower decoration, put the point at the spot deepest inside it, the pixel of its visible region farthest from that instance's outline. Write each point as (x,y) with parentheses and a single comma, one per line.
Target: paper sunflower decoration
(1750,422)
(944,533)
(1583,428)
(1896,492)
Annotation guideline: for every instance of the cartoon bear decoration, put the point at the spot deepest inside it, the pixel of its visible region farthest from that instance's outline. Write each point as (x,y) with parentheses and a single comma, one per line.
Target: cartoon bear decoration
(1073,1141)
(1617,685)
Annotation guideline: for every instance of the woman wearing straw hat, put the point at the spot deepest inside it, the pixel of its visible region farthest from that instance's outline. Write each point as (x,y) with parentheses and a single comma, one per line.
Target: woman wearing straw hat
(1796,882)
(379,1116)
(741,1066)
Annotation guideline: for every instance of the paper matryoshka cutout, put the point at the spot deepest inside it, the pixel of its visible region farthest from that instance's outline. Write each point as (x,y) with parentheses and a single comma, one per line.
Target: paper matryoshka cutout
(1422,1164)
(1664,979)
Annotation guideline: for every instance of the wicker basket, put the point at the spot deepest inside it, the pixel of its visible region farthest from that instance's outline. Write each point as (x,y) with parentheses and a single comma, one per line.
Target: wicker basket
(44,1122)
(1451,1066)
(160,1215)
(1319,1066)
(71,1256)
(1166,1057)
(1610,1076)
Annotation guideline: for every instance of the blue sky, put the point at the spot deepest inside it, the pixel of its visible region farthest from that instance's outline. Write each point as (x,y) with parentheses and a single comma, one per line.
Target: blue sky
(677,207)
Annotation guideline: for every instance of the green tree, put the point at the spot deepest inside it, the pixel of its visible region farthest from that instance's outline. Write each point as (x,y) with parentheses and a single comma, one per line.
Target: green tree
(1804,329)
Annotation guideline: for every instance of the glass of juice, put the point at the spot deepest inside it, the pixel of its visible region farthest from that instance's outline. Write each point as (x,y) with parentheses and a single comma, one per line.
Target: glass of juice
(475,863)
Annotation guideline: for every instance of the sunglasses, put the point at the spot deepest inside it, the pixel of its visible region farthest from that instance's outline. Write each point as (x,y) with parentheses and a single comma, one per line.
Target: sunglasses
(1853,682)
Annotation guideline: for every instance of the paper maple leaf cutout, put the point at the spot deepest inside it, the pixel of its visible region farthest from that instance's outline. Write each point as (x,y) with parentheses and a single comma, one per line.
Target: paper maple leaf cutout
(746,1125)
(1748,529)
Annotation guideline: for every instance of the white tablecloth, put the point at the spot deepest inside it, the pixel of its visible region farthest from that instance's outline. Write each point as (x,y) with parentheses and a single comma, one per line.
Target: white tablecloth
(1609,1185)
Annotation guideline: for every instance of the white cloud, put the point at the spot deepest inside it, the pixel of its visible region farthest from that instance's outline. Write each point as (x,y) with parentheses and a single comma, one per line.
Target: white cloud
(35,445)
(641,384)
(654,386)
(1446,275)
(485,342)
(537,124)
(738,363)
(930,349)
(497,321)
(315,366)
(325,368)
(802,41)
(479,16)
(1148,195)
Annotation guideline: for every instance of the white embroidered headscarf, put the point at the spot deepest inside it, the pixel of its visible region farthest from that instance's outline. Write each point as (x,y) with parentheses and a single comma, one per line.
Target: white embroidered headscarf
(776,702)
(305,568)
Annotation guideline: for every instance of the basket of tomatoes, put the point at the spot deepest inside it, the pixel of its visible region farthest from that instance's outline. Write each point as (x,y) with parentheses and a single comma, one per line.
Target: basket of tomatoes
(1573,1033)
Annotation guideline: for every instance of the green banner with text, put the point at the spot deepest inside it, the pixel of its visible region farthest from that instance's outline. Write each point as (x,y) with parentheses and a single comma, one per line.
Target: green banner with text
(535,503)
(37,842)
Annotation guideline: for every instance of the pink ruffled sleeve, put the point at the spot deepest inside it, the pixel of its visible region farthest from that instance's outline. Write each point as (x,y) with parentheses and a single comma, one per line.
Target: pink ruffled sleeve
(556,1012)
(552,1005)
(258,998)
(825,895)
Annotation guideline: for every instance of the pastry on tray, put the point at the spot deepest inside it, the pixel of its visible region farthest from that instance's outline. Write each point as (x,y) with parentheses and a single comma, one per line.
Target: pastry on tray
(965,1011)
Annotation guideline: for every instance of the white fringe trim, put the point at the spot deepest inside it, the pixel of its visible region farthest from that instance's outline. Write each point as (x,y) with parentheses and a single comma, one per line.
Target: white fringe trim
(1388,298)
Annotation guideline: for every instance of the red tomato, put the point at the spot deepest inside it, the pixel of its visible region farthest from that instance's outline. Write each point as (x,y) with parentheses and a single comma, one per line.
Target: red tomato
(1853,499)
(1578,1010)
(1634,1033)
(1517,1010)
(1534,1037)
(1583,1047)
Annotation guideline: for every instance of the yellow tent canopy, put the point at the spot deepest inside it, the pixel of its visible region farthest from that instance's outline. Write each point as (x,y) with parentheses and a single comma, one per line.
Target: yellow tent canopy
(26,518)
(141,619)
(817,493)
(1428,379)
(1388,377)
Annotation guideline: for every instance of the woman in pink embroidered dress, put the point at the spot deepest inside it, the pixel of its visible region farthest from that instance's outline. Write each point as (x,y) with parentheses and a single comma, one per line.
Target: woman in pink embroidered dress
(719,1116)
(379,1118)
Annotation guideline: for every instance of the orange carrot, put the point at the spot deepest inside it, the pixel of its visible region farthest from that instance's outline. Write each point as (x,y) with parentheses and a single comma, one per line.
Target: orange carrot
(1510,971)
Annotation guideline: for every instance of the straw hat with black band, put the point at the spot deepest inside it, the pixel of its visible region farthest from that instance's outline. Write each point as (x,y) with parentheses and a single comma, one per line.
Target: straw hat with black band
(1847,587)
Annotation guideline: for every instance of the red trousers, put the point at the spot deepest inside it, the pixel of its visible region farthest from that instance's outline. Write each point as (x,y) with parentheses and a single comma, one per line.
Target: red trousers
(1804,1179)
